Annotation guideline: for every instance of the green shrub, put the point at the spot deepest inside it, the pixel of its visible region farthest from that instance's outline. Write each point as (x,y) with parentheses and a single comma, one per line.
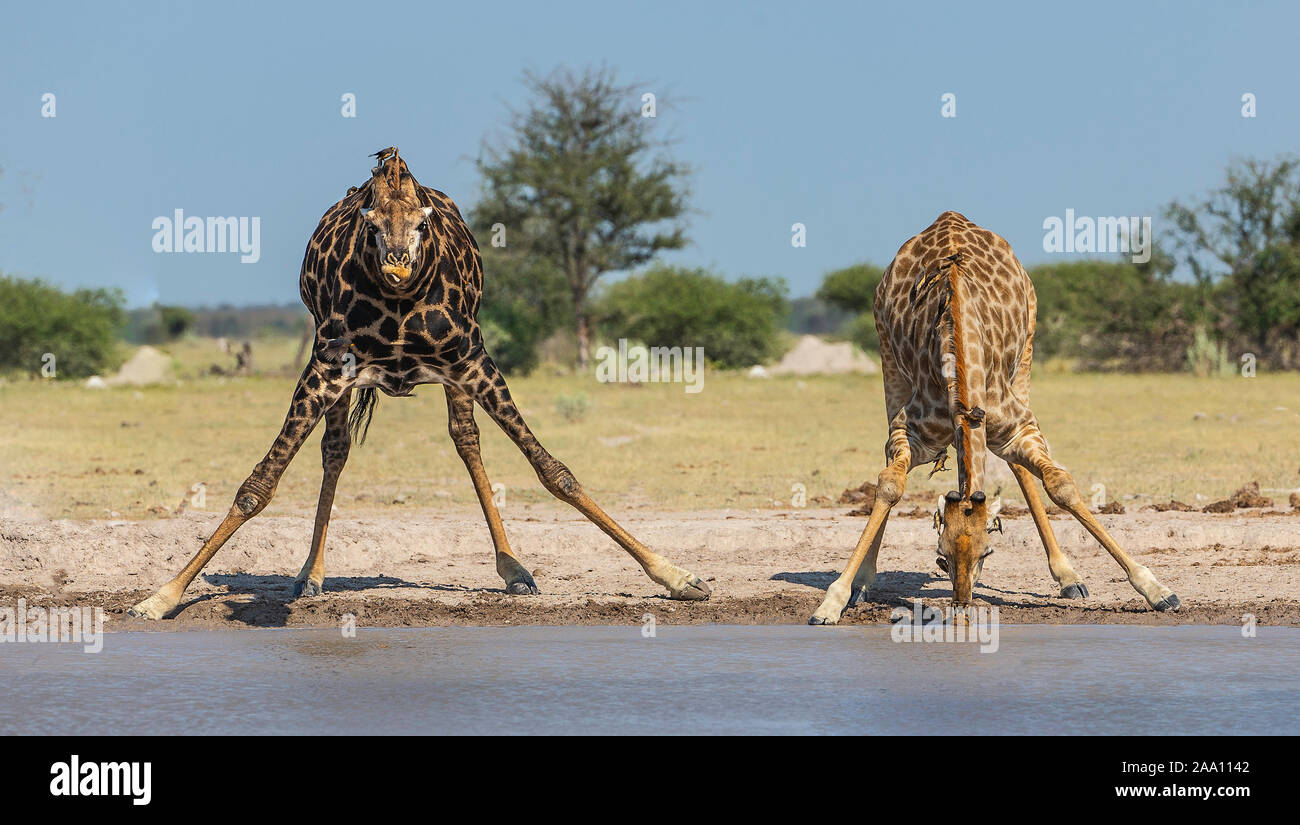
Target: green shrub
(1114,314)
(158,324)
(1206,358)
(737,323)
(853,289)
(79,328)
(572,407)
(523,302)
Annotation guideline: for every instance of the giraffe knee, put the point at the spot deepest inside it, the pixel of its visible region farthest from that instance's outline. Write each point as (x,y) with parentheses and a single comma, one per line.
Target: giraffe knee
(250,504)
(890,486)
(557,479)
(336,456)
(464,434)
(252,498)
(1060,488)
(335,449)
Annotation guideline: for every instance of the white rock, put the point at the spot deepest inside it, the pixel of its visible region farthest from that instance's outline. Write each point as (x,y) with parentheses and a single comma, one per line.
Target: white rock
(146,366)
(813,356)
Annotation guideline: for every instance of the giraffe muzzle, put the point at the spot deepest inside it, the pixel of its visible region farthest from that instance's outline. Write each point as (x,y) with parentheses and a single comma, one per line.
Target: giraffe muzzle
(397,269)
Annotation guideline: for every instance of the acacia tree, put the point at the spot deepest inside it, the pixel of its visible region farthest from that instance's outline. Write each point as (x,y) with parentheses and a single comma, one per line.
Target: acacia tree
(1242,243)
(582,182)
(1256,208)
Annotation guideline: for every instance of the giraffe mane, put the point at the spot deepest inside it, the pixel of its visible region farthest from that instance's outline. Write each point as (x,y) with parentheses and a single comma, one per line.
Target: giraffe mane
(947,273)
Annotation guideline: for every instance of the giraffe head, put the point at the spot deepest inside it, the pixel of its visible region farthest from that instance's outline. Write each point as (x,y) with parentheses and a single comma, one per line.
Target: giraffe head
(395,232)
(964,525)
(395,226)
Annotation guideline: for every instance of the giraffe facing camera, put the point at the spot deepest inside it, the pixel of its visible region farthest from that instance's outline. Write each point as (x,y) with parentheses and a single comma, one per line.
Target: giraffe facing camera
(392,277)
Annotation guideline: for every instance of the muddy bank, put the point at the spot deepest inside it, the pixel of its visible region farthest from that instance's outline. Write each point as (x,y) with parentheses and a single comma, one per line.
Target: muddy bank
(272,607)
(436,568)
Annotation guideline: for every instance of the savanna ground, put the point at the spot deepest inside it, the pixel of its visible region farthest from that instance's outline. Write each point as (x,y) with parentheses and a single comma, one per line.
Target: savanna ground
(99,503)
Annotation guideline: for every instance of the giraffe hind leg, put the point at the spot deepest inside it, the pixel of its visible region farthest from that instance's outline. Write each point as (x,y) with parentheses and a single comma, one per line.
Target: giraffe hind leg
(480,378)
(1030,451)
(1072,587)
(334,448)
(464,434)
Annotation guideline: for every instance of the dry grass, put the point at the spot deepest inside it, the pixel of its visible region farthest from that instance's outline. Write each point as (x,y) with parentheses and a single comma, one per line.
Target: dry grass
(741,443)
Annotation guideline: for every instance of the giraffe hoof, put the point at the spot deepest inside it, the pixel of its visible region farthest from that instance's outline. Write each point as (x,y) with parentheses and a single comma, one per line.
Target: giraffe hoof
(1168,603)
(523,587)
(306,587)
(518,581)
(821,620)
(694,591)
(1078,590)
(859,596)
(154,607)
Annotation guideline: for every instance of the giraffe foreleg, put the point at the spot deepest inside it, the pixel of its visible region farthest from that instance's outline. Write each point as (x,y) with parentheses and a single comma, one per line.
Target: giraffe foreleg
(334,448)
(464,434)
(1072,587)
(866,575)
(860,572)
(1032,453)
(480,378)
(318,389)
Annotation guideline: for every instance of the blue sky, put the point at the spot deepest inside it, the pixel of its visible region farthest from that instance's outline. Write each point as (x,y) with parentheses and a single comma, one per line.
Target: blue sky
(826,114)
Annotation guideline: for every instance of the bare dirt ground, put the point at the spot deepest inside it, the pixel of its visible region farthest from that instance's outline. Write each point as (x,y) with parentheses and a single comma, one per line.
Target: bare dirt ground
(435,568)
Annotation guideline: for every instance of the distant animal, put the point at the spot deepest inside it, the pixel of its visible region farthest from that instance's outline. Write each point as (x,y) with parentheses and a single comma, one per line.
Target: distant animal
(393,278)
(955,312)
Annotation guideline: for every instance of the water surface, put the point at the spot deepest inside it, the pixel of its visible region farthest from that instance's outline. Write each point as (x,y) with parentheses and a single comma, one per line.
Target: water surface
(685,680)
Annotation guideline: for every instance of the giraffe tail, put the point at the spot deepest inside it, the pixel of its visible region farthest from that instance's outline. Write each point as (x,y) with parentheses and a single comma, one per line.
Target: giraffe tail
(362,411)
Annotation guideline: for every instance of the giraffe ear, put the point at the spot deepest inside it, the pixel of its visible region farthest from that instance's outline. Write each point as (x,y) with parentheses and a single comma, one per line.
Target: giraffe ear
(994,521)
(365,212)
(427,210)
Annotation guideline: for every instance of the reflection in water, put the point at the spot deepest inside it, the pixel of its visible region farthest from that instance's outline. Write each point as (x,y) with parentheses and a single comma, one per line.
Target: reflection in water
(682,680)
